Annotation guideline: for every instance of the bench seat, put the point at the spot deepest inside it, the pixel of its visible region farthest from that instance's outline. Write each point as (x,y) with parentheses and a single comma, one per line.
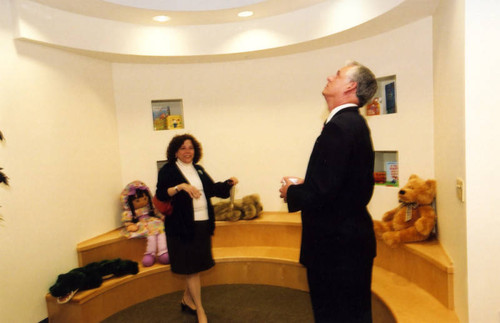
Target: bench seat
(262,251)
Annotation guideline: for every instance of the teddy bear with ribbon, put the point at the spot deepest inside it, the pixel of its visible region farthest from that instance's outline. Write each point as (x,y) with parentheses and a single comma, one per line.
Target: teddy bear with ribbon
(414,219)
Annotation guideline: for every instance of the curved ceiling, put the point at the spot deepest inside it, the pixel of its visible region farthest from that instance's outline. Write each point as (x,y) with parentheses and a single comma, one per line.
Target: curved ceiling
(117,30)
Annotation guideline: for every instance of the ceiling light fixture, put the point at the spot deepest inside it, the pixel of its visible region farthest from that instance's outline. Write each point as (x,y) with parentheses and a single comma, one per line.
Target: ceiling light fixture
(245,14)
(161,18)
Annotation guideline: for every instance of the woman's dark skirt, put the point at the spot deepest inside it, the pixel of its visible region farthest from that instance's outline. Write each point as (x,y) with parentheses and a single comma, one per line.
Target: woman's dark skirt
(193,255)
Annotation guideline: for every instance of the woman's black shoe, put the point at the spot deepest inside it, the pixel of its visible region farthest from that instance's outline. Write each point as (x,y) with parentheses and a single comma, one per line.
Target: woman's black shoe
(187,308)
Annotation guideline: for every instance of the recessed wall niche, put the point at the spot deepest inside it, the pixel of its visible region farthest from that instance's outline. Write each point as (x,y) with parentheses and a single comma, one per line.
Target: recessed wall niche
(384,101)
(386,170)
(167,114)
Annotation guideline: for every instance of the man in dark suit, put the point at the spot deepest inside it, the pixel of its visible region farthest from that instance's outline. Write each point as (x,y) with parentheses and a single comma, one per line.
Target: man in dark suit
(338,242)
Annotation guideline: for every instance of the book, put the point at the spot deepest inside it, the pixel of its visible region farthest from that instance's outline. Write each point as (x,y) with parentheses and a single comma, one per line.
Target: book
(390,98)
(174,122)
(160,117)
(392,173)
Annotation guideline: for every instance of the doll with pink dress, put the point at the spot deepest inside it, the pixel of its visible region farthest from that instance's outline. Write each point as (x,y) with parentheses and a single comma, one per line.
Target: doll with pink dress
(141,220)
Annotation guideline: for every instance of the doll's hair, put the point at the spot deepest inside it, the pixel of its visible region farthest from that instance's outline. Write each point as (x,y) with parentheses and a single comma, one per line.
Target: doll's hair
(176,143)
(138,194)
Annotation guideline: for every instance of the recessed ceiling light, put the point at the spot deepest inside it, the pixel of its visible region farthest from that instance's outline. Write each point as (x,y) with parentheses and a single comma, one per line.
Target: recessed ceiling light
(245,14)
(161,18)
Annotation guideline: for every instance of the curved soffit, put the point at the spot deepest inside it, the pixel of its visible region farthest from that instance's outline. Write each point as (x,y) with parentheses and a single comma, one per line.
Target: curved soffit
(328,22)
(185,5)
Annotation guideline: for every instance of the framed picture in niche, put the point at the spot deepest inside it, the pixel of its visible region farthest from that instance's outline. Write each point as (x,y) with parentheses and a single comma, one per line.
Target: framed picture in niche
(167,114)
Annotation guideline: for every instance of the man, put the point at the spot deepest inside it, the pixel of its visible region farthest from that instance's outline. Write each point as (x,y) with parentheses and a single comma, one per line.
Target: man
(338,242)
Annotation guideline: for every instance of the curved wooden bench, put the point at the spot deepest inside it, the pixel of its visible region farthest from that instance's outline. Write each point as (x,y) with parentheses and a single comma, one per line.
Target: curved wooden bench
(424,263)
(260,251)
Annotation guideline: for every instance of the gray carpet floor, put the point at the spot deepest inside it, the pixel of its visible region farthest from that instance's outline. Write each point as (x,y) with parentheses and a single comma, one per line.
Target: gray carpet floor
(226,304)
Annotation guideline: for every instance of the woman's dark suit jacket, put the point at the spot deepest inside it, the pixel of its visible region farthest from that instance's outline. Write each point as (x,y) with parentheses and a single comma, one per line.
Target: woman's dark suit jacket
(181,221)
(336,226)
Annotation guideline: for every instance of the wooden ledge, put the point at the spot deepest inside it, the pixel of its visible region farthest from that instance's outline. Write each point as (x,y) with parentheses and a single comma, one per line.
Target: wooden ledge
(408,302)
(277,218)
(236,254)
(275,236)
(259,265)
(101,240)
(430,250)
(272,229)
(273,254)
(109,284)
(415,281)
(425,264)
(433,252)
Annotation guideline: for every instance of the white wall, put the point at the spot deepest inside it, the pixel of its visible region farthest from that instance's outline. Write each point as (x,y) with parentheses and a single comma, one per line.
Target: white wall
(449,98)
(483,157)
(409,131)
(61,154)
(258,119)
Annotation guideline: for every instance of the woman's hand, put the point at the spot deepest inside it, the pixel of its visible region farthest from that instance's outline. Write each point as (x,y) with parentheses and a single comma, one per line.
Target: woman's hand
(234,181)
(190,189)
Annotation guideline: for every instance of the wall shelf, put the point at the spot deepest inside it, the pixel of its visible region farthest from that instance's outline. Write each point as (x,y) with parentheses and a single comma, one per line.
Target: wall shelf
(167,114)
(384,100)
(386,170)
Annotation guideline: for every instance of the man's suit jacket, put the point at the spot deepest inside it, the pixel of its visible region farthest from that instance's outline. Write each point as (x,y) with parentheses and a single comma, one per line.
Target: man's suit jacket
(336,226)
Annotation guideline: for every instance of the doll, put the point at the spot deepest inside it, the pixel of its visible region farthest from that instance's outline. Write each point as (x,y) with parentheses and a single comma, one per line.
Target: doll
(140,219)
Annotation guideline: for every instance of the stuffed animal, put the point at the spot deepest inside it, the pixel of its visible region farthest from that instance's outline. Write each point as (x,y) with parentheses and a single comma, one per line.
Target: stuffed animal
(90,276)
(141,219)
(248,208)
(414,219)
(224,211)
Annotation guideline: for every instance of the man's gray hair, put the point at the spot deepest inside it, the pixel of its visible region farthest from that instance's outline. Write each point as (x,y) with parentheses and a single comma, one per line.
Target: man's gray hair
(367,83)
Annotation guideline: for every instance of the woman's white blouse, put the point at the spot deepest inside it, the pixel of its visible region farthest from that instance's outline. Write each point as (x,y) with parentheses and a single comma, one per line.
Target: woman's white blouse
(199,204)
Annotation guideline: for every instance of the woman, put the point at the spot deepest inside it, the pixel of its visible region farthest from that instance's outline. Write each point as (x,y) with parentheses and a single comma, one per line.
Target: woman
(190,226)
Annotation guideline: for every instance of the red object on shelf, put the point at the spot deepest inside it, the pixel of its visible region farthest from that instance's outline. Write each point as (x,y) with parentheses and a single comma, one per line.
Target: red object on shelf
(379,177)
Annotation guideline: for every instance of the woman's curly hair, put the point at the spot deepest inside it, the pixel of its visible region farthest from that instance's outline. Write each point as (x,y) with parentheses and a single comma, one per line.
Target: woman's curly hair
(176,143)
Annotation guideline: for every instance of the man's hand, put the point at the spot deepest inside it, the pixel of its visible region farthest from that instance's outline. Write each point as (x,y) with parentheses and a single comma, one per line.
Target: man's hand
(286,182)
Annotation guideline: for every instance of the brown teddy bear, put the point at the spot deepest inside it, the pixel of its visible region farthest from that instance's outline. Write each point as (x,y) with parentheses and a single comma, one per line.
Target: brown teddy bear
(225,212)
(414,219)
(249,207)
